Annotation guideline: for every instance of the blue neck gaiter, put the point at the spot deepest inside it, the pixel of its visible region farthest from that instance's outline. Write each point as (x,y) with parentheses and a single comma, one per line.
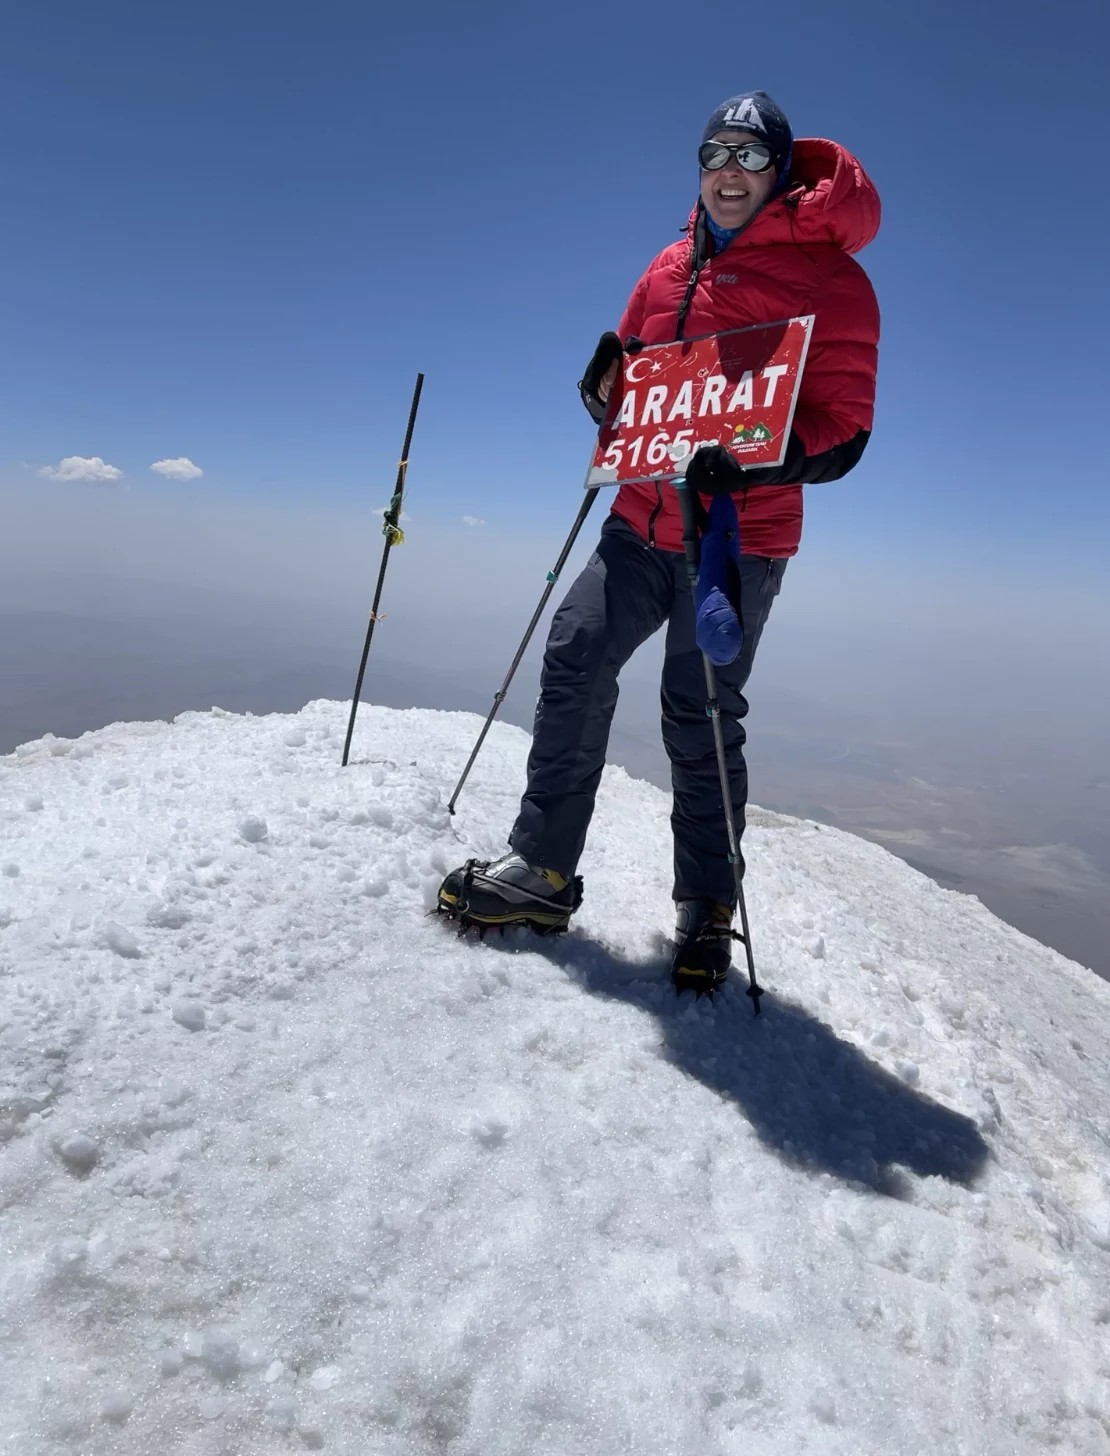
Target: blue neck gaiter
(721,236)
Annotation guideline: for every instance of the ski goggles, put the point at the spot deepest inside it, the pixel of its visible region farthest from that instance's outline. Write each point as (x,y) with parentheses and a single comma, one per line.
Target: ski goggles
(751,156)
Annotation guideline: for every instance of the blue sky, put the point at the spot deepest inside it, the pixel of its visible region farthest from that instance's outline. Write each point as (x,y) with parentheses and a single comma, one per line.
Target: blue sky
(236,230)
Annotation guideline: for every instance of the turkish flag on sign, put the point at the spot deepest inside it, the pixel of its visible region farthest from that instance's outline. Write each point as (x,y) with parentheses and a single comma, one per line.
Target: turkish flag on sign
(736,389)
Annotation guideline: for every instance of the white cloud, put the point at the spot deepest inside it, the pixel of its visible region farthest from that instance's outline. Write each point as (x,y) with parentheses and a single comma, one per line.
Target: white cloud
(473,521)
(180,469)
(78,467)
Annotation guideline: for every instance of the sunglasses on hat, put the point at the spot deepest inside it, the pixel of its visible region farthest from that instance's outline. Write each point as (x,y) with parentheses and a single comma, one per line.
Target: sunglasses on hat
(751,156)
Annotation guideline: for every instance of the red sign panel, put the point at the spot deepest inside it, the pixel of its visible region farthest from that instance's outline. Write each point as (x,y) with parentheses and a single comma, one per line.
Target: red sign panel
(736,389)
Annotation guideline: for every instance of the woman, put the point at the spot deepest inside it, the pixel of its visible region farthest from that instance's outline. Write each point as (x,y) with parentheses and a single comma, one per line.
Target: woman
(771,237)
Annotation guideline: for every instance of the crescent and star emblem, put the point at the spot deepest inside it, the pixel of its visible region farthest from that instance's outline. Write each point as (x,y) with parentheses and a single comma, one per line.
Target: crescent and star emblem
(631,378)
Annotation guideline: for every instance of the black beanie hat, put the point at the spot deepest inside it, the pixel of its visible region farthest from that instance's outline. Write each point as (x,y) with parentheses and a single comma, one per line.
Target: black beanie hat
(755,111)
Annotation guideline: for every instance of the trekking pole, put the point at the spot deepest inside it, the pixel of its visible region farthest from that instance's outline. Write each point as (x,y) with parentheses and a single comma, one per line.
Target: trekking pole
(393,536)
(691,542)
(499,696)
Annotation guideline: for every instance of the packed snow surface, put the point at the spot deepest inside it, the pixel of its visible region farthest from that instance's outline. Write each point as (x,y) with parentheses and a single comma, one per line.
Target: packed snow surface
(286,1165)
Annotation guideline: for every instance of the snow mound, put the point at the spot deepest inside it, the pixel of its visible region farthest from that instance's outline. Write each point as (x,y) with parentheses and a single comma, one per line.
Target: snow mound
(286,1165)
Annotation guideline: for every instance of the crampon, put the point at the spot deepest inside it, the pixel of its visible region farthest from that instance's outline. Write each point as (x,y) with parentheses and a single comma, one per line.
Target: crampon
(485,895)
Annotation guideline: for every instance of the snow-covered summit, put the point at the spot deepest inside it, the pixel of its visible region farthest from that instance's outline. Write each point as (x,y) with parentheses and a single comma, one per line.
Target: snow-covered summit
(286,1165)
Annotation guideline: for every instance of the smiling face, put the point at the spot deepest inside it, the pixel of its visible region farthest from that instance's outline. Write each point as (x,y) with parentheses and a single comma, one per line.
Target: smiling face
(732,196)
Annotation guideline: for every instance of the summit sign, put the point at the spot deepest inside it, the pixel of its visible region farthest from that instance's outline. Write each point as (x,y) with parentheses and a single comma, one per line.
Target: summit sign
(738,389)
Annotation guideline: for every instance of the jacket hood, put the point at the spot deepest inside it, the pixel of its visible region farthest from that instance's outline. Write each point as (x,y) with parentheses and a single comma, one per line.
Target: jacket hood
(830,199)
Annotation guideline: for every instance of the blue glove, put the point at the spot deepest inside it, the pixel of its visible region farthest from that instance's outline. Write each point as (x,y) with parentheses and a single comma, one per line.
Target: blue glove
(718,628)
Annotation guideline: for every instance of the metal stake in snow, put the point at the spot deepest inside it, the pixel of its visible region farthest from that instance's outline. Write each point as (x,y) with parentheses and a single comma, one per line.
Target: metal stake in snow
(691,542)
(394,536)
(499,696)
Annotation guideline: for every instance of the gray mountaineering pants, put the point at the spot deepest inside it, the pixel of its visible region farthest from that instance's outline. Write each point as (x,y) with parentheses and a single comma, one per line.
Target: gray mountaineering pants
(625,594)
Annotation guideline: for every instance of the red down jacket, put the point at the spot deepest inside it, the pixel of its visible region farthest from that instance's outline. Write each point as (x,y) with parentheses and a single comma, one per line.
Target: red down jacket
(793,258)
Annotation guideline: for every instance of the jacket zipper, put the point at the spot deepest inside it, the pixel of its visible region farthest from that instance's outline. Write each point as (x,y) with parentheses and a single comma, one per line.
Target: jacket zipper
(655,512)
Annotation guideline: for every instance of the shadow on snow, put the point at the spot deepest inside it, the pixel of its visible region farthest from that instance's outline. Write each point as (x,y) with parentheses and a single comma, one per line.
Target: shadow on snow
(814,1099)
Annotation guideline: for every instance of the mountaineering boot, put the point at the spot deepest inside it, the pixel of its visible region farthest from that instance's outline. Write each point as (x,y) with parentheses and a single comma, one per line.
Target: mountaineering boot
(703,945)
(509,891)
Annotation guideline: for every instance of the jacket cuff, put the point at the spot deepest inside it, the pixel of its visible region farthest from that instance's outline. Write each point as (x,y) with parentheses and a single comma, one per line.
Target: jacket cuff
(593,405)
(801,469)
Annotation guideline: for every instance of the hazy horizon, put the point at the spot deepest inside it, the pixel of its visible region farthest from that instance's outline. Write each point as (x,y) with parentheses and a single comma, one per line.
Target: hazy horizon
(940,751)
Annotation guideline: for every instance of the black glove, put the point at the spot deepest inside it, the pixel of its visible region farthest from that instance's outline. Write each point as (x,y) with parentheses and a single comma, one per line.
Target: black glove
(713,471)
(608,350)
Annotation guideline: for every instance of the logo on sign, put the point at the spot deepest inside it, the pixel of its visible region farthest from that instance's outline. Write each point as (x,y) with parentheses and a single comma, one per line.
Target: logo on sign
(750,437)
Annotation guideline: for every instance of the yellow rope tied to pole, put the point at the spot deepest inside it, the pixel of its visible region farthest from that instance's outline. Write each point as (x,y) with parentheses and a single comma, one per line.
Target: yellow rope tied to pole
(390,529)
